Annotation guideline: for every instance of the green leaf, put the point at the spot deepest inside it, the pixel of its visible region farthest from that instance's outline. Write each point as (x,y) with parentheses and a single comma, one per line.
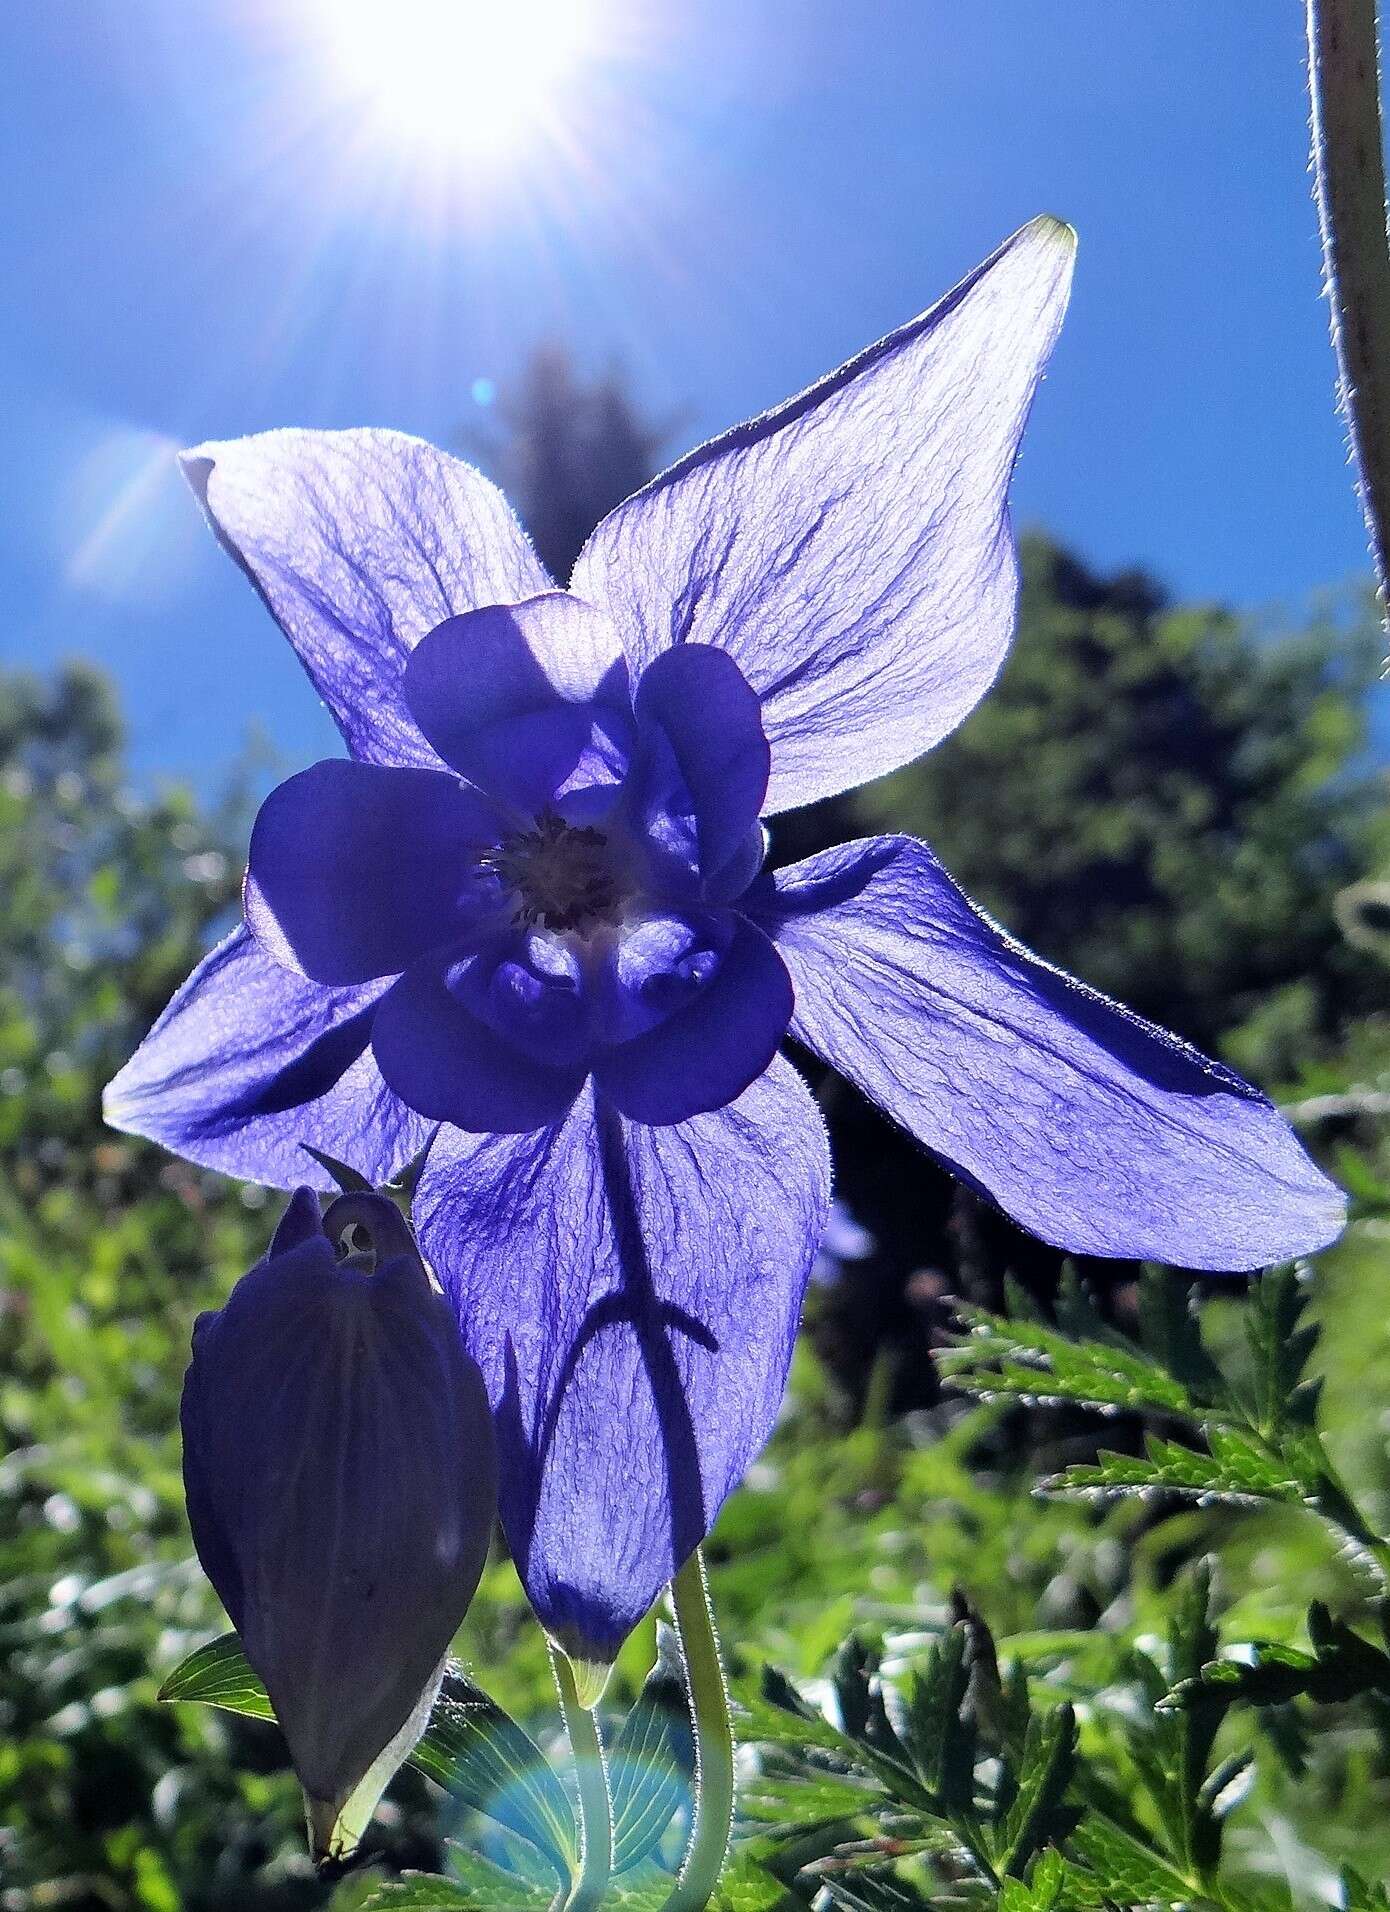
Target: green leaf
(778,1716)
(650,1766)
(1263,1673)
(479,1754)
(217,1675)
(1128,1872)
(819,1800)
(747,1886)
(1051,1886)
(1169,1330)
(471,1747)
(935,1736)
(1049,1756)
(1359,1895)
(475,1882)
(644,1889)
(1025,1360)
(1188,1736)
(1237,1471)
(1282,1346)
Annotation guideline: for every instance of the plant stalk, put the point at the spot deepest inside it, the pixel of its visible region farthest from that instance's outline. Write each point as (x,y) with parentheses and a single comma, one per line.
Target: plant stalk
(595,1803)
(1349,168)
(713,1813)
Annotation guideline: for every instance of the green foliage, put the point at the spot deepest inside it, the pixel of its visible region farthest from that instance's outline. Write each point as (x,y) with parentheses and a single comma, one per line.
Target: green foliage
(1259,1433)
(1086,1772)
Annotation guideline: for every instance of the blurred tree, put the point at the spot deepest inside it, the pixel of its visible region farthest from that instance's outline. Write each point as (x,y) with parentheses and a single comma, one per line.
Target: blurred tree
(571,449)
(110,898)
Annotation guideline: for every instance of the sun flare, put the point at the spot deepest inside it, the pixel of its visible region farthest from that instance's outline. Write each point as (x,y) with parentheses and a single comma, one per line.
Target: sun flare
(478,77)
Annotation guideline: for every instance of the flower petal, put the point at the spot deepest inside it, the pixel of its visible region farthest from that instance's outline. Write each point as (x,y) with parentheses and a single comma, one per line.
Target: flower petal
(356,869)
(360,542)
(851,550)
(525,700)
(705,1053)
(709,715)
(1091,1127)
(445,1059)
(250,1062)
(632,1296)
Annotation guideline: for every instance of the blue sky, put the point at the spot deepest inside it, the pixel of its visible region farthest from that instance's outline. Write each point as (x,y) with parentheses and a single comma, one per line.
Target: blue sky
(212,230)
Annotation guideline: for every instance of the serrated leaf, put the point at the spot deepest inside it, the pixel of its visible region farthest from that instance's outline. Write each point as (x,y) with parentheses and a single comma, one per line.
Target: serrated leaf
(1359,1895)
(1169,1330)
(934,1702)
(854,1664)
(471,1747)
(218,1675)
(1051,1886)
(820,1800)
(1049,1755)
(1282,1346)
(1236,1471)
(650,1767)
(1028,1361)
(786,1720)
(1128,1872)
(1189,1735)
(1269,1674)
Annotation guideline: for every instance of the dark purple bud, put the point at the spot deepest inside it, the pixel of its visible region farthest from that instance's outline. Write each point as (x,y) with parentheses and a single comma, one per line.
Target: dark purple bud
(341,1480)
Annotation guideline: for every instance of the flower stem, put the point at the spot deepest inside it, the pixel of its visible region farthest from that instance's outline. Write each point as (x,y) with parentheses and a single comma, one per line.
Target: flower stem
(714,1741)
(595,1804)
(1348,160)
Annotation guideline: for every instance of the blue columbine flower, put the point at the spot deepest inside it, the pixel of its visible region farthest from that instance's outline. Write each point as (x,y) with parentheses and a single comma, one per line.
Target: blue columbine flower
(341,1475)
(524,927)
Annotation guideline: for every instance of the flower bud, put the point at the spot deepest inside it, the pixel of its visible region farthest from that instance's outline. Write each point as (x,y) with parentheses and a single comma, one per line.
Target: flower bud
(341,1480)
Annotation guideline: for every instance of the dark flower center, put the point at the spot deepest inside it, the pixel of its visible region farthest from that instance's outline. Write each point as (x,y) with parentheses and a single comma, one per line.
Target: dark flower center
(560,874)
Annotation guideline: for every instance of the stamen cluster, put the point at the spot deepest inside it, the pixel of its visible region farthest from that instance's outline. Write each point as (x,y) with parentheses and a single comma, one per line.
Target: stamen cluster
(560,875)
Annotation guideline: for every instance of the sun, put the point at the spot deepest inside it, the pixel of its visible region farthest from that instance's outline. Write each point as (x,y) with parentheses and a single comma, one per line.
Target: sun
(476,77)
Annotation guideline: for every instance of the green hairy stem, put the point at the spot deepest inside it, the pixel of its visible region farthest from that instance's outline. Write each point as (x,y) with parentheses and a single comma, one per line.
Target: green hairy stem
(1349,165)
(714,1741)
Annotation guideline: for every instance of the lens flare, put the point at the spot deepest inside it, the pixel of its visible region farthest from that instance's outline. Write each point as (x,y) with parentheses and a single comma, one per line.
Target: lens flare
(472,76)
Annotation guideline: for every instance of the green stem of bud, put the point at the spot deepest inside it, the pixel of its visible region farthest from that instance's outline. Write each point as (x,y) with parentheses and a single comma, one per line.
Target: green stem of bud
(1348,162)
(595,1803)
(714,1741)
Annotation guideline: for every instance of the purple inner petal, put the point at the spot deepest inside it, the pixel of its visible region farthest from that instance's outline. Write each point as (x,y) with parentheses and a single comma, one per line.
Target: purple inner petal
(721,1029)
(357,869)
(705,758)
(463,1043)
(528,701)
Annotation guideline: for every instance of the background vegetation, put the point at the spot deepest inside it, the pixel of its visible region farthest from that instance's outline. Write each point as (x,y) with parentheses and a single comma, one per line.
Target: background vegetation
(1176,804)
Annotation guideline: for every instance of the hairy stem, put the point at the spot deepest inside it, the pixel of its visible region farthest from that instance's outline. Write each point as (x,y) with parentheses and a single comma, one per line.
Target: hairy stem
(714,1741)
(1349,164)
(595,1803)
